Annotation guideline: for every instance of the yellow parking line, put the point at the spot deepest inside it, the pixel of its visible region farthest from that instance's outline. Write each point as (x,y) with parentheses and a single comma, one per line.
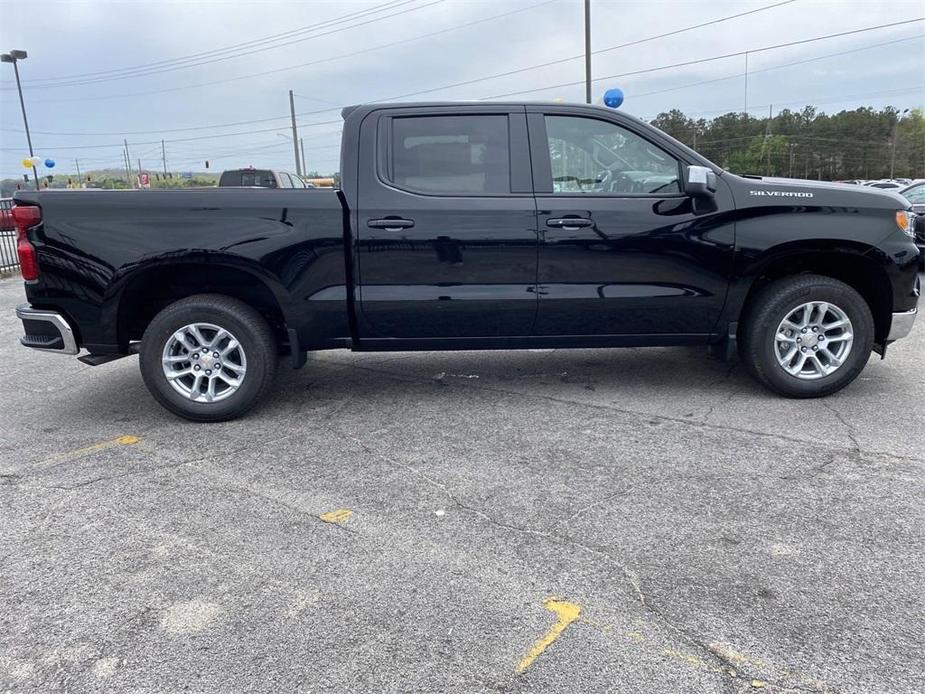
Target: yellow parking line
(338,517)
(77,453)
(127,440)
(567,612)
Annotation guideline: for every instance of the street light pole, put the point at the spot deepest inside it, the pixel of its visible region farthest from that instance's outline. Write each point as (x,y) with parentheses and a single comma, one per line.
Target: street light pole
(14,57)
(587,51)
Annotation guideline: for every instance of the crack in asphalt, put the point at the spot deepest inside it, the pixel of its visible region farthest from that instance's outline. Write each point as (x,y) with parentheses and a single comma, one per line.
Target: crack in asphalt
(635,413)
(849,429)
(596,504)
(631,577)
(731,669)
(813,471)
(138,471)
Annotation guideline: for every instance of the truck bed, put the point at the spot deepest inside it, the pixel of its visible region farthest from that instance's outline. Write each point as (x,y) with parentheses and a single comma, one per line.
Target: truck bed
(95,245)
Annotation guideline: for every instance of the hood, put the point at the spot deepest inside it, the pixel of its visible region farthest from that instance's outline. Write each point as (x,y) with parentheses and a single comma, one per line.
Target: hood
(795,190)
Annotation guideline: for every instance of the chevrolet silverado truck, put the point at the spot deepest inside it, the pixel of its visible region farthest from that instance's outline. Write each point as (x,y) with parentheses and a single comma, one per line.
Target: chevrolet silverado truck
(471,226)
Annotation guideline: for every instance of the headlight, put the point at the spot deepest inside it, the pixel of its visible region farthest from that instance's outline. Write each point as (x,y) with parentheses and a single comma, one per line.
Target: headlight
(906,222)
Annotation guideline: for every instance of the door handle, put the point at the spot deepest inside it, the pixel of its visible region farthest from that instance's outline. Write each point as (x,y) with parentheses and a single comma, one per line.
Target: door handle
(569,223)
(390,223)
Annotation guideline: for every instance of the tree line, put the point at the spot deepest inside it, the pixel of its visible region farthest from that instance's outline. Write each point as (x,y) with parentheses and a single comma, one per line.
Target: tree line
(861,144)
(865,143)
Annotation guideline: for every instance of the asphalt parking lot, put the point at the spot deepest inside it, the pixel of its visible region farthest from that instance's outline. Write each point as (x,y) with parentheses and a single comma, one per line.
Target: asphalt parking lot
(572,521)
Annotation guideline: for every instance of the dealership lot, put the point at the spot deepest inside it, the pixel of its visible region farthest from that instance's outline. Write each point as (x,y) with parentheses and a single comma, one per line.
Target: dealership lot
(396,522)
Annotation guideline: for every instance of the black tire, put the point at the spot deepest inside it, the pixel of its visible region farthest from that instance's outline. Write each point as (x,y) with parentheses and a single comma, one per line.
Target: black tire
(243,322)
(776,301)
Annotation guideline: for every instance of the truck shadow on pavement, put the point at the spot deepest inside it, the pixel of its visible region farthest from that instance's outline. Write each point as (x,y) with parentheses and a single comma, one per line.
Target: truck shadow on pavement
(678,378)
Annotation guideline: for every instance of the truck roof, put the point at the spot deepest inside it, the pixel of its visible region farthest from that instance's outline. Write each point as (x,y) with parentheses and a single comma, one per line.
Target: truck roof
(347,110)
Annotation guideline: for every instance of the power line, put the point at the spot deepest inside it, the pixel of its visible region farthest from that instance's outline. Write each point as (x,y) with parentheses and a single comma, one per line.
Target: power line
(647,70)
(239,154)
(581,56)
(193,148)
(237,46)
(707,60)
(313,98)
(303,65)
(448,86)
(211,126)
(815,101)
(186,139)
(222,58)
(778,67)
(637,72)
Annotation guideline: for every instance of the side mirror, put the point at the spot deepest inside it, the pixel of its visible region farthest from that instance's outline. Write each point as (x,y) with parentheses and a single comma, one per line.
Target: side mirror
(701,182)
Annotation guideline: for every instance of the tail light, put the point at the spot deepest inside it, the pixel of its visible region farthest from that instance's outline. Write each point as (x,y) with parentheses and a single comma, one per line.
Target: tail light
(24,218)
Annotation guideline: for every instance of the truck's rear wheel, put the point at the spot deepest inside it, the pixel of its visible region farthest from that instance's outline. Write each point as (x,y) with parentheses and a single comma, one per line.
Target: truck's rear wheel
(208,358)
(807,336)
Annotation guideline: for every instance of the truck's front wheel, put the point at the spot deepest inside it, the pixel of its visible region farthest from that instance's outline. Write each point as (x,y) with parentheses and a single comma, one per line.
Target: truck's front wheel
(208,358)
(807,336)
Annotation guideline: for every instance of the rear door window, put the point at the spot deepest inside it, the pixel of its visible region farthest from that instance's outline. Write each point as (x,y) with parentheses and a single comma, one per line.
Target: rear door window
(450,155)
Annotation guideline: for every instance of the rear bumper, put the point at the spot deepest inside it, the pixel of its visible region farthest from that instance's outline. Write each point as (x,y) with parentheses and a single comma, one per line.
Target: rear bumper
(46,331)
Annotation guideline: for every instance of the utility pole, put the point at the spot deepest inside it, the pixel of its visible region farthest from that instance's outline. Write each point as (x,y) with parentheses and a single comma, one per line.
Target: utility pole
(895,135)
(128,165)
(745,102)
(14,57)
(304,165)
(587,51)
(164,158)
(295,134)
(767,141)
(77,164)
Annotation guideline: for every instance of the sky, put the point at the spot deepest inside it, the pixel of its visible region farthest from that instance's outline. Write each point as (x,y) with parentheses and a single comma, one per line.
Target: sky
(211,77)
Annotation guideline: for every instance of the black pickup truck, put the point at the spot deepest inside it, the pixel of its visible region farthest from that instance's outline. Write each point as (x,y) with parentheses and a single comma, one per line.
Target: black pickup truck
(471,226)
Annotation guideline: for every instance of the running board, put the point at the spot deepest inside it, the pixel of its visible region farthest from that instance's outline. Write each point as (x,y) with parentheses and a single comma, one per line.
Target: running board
(97,359)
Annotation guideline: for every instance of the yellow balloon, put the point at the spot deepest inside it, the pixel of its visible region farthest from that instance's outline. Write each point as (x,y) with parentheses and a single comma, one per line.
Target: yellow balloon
(27,163)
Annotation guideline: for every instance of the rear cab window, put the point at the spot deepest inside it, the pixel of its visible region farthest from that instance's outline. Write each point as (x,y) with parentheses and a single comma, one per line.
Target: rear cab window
(449,155)
(248,178)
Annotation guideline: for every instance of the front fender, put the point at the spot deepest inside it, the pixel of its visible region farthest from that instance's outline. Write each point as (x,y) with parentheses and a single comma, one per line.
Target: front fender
(821,255)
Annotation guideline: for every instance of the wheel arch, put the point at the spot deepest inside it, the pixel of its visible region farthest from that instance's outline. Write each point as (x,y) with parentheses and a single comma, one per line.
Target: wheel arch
(141,294)
(847,262)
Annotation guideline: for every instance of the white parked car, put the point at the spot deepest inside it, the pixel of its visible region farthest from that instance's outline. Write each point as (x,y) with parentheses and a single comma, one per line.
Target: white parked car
(886,184)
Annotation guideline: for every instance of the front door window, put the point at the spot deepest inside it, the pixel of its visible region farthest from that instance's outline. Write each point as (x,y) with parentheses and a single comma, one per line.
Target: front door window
(593,156)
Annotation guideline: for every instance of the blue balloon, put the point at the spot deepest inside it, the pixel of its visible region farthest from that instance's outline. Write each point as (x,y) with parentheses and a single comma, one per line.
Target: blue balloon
(49,163)
(613,98)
